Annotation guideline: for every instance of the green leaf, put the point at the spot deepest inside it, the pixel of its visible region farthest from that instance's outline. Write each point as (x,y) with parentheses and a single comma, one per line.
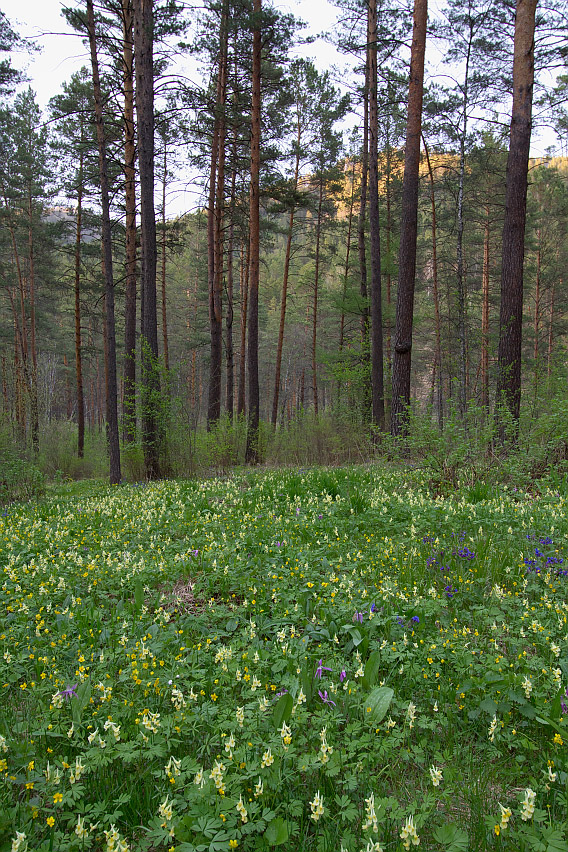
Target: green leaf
(80,701)
(372,669)
(452,837)
(378,703)
(232,625)
(138,594)
(277,832)
(283,710)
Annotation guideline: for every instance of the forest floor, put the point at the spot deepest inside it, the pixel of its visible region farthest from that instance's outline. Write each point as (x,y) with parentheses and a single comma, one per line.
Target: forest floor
(327,659)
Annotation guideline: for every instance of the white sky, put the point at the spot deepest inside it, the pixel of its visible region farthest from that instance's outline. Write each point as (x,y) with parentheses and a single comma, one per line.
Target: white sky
(63,53)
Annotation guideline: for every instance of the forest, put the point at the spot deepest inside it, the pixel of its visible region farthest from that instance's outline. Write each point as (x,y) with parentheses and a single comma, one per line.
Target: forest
(284,475)
(374,263)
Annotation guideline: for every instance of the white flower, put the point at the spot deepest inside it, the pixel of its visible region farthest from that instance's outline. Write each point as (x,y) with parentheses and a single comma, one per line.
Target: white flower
(411,714)
(492,728)
(317,807)
(267,759)
(408,834)
(19,842)
(80,829)
(258,788)
(506,815)
(552,775)
(242,810)
(165,810)
(527,686)
(371,816)
(528,804)
(435,775)
(240,714)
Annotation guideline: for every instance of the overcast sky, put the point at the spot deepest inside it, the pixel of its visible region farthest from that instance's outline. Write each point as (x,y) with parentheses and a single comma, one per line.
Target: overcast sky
(63,53)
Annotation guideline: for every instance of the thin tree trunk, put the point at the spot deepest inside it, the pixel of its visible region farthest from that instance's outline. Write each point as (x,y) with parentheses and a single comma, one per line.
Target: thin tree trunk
(511,311)
(163,258)
(315,303)
(408,230)
(347,254)
(245,269)
(252,448)
(150,384)
(361,239)
(34,400)
(111,387)
(537,312)
(377,374)
(280,344)
(129,367)
(438,351)
(78,348)
(461,285)
(485,316)
(551,331)
(214,228)
(230,294)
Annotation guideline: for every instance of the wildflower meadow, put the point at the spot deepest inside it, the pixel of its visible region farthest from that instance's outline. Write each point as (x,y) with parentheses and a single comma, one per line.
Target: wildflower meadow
(329,659)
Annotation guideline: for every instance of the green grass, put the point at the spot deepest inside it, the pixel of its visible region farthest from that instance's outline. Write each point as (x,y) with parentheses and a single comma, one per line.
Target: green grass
(205,665)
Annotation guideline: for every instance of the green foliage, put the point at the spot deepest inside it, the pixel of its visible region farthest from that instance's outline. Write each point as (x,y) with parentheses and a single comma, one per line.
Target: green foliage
(19,479)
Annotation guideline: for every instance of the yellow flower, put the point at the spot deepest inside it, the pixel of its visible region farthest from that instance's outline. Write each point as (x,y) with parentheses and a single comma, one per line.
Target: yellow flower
(50,821)
(233,844)
(558,739)
(497,830)
(57,798)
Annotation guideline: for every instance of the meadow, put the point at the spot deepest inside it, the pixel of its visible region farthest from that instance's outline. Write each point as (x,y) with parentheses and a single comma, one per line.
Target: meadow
(326,659)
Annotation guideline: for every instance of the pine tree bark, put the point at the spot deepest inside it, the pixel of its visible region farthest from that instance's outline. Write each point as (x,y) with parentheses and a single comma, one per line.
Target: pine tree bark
(214,228)
(284,297)
(377,370)
(485,316)
(78,347)
(110,341)
(129,367)
(244,280)
(513,253)
(164,265)
(437,371)
(315,303)
(408,229)
(252,448)
(150,379)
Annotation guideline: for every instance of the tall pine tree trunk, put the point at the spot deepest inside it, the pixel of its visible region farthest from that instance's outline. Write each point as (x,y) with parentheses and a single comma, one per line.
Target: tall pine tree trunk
(361,240)
(377,375)
(485,316)
(150,379)
(315,303)
(408,229)
(214,228)
(511,309)
(437,371)
(283,301)
(129,368)
(252,448)
(78,348)
(110,336)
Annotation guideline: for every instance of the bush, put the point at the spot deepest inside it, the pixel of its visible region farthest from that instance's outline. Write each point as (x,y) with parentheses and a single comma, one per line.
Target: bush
(19,479)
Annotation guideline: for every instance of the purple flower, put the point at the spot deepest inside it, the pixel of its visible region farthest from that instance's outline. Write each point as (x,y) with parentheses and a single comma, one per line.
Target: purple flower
(358,616)
(325,698)
(373,607)
(69,692)
(320,517)
(342,676)
(321,669)
(415,619)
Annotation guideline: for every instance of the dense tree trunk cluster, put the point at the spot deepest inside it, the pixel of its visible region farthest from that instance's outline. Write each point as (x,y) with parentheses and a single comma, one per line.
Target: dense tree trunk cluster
(274,297)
